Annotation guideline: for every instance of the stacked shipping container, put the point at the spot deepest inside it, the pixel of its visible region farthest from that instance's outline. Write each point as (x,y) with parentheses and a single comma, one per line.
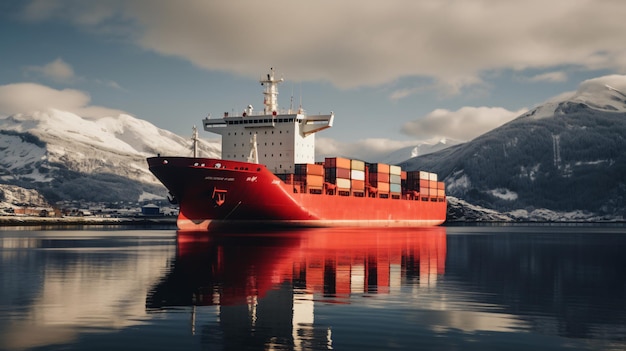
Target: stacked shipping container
(338,172)
(378,174)
(311,175)
(395,180)
(354,176)
(357,176)
(426,184)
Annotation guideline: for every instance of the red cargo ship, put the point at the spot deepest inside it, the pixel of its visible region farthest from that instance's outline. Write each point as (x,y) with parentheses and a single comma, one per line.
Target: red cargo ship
(268,176)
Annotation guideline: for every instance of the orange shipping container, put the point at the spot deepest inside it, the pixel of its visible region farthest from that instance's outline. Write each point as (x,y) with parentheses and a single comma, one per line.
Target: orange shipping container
(337,162)
(441,193)
(383,187)
(358,184)
(424,183)
(378,167)
(432,184)
(310,180)
(441,185)
(403,175)
(308,168)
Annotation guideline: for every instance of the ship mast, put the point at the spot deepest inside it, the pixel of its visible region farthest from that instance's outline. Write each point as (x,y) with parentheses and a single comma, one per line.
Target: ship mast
(270,95)
(194,141)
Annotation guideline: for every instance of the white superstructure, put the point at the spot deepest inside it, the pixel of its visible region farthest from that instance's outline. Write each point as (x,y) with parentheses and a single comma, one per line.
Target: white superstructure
(277,139)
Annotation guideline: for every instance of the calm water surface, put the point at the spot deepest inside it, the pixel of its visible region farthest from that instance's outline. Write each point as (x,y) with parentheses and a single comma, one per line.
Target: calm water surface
(454,288)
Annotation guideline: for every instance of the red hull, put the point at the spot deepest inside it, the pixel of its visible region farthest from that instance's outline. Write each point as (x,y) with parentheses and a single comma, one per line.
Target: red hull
(214,192)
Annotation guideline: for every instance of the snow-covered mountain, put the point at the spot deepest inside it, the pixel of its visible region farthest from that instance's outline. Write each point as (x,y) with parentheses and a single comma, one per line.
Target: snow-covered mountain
(69,157)
(566,156)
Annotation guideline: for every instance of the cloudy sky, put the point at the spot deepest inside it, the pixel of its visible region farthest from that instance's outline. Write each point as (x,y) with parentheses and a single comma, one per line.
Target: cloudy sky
(394,72)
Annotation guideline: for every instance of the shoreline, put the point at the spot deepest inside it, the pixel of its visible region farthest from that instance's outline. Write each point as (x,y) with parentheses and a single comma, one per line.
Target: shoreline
(13,221)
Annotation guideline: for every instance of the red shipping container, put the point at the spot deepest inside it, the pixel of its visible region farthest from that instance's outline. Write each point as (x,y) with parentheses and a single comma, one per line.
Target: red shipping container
(379,177)
(334,173)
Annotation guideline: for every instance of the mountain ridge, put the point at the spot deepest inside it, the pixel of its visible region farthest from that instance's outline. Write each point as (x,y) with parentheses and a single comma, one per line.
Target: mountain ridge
(564,155)
(68,157)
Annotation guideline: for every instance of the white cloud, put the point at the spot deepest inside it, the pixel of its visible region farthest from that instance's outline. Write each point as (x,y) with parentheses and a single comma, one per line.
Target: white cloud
(465,123)
(557,76)
(351,43)
(57,70)
(365,149)
(31,97)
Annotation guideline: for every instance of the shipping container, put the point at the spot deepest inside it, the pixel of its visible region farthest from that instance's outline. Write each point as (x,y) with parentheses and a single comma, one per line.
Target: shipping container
(337,162)
(441,185)
(424,175)
(441,193)
(357,165)
(379,177)
(395,188)
(433,191)
(310,180)
(382,187)
(432,184)
(357,175)
(358,185)
(343,183)
(308,168)
(378,168)
(432,177)
(334,173)
(396,170)
(424,183)
(394,179)
(412,180)
(403,175)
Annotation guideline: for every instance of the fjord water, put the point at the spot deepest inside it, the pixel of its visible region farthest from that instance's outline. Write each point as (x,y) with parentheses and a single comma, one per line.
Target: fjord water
(444,288)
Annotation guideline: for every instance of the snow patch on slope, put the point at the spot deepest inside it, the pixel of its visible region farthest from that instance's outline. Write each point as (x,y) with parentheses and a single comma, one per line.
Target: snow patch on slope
(504,194)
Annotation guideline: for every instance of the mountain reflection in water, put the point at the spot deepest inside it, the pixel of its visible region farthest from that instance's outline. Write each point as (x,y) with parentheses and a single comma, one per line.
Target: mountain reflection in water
(444,288)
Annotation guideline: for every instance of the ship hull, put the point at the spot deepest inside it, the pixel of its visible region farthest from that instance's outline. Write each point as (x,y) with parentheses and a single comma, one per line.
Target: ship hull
(215,193)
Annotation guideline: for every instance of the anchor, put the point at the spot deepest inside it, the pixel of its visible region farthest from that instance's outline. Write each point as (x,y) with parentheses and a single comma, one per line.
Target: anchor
(218,196)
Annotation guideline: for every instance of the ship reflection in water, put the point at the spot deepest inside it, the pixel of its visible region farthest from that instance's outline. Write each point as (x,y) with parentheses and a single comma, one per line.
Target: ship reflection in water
(441,288)
(268,287)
